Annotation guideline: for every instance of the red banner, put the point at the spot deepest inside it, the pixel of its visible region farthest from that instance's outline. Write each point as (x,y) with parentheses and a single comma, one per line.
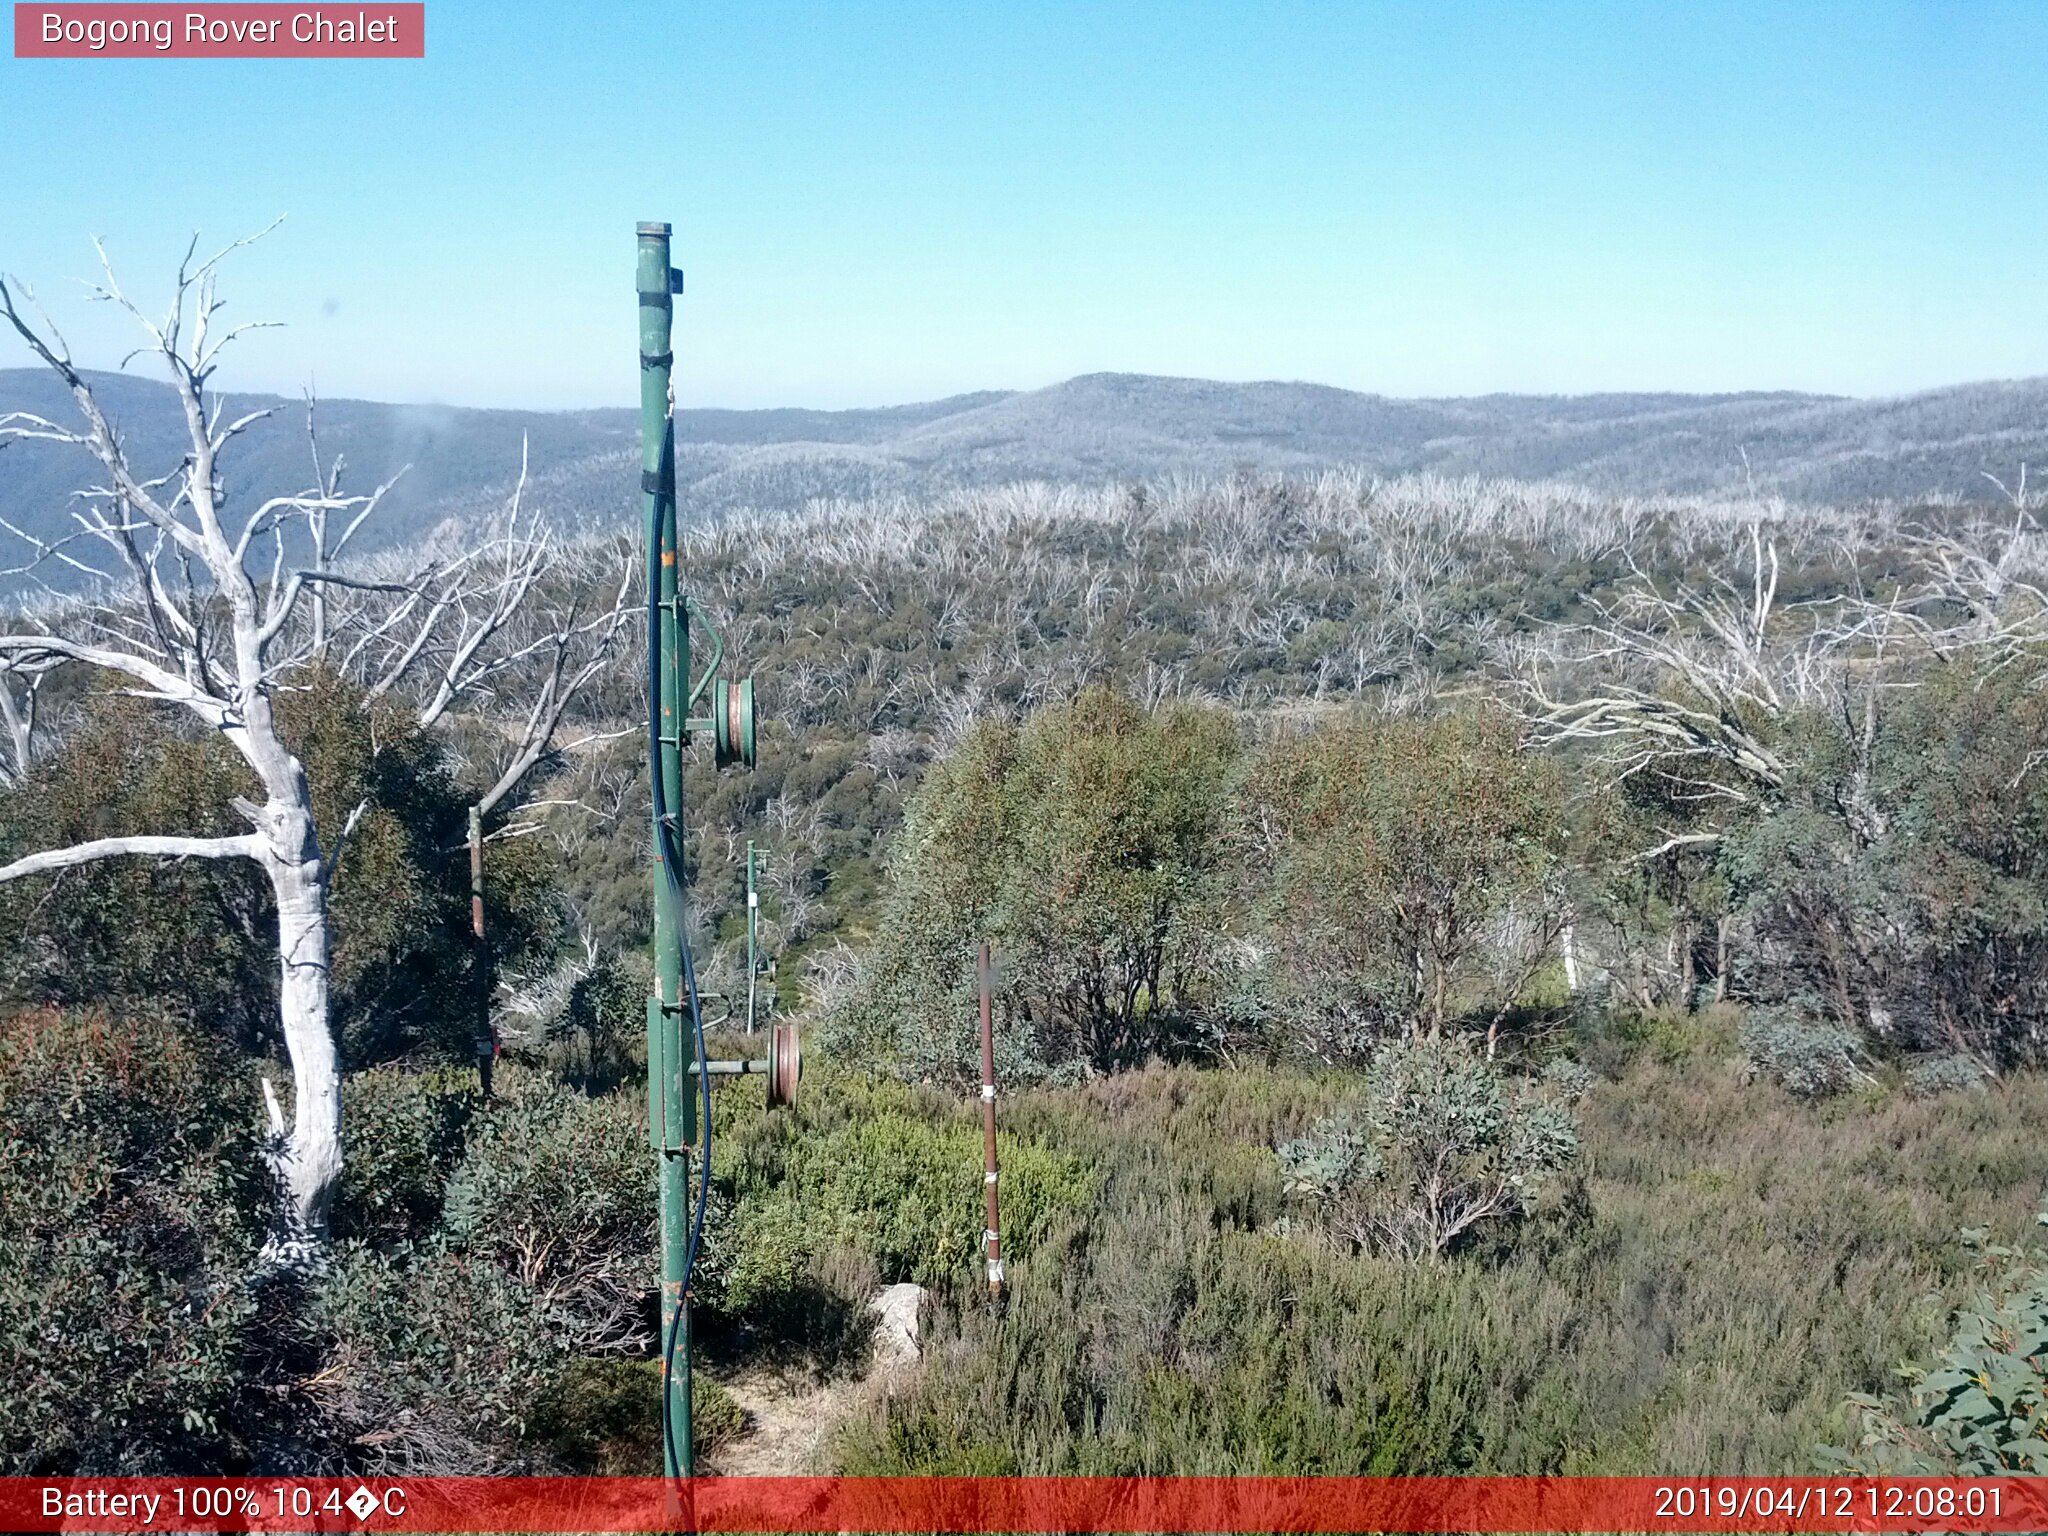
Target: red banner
(232,31)
(1020,1504)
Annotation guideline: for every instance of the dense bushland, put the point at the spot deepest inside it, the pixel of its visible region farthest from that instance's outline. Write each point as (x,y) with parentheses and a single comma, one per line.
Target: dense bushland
(1927,926)
(489,1303)
(1158,885)
(1431,1069)
(130,1220)
(1728,1267)
(183,934)
(882,632)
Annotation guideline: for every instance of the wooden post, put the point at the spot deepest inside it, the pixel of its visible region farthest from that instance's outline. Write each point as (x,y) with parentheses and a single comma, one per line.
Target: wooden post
(753,941)
(485,1038)
(991,1235)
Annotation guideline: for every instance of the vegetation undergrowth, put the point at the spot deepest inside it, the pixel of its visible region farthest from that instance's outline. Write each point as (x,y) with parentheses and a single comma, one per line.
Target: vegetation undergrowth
(1734,1265)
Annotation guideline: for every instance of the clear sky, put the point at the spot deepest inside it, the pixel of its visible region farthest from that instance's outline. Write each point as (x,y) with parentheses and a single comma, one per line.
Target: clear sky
(878,202)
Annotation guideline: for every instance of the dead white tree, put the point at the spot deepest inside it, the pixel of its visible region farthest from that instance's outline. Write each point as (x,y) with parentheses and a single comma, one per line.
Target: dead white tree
(1686,685)
(1985,590)
(21,686)
(208,611)
(1690,690)
(513,616)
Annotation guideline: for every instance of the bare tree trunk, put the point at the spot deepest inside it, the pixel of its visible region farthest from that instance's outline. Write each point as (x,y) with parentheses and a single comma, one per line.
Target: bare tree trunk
(307,1162)
(1721,958)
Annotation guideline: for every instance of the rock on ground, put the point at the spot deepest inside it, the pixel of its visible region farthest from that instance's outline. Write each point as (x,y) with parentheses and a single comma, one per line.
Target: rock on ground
(896,1332)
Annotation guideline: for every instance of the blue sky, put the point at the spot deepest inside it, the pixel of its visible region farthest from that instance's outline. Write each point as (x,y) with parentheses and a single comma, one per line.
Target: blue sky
(878,202)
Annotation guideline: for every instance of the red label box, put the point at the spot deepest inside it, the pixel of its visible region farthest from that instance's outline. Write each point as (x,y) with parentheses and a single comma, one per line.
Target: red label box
(366,29)
(1161,1506)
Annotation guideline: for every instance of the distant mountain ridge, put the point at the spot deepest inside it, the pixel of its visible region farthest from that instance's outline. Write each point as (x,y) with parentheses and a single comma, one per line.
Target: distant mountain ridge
(1093,429)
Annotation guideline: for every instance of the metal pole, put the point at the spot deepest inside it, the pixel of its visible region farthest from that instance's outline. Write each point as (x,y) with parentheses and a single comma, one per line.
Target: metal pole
(991,1235)
(483,1039)
(753,920)
(671,1105)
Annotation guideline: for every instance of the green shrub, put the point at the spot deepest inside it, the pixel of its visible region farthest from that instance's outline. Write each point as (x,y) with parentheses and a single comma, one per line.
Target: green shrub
(1404,870)
(1570,1079)
(867,1182)
(197,936)
(400,1138)
(607,1010)
(1085,846)
(441,1353)
(1945,1074)
(714,1416)
(1981,1410)
(904,1191)
(1918,922)
(1441,1142)
(436,1360)
(601,1418)
(555,1190)
(1810,1060)
(131,1219)
(169,934)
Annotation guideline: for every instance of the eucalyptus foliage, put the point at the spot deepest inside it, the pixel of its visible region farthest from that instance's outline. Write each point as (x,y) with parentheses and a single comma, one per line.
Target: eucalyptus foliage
(187,935)
(1085,846)
(1981,1408)
(1439,1142)
(1403,873)
(1808,1057)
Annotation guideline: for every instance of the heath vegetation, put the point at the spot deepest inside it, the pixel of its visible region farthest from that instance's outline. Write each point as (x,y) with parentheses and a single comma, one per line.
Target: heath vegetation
(1497,978)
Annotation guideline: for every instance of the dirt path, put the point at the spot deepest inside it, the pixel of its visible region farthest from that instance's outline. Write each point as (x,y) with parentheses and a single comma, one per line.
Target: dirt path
(790,1422)
(791,1418)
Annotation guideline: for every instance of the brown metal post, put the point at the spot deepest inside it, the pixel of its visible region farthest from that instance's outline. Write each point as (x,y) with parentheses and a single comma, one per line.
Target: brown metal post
(991,1235)
(485,1038)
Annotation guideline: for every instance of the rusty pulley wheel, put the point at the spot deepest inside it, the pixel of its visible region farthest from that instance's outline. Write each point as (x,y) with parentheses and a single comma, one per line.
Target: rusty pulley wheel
(785,1066)
(732,722)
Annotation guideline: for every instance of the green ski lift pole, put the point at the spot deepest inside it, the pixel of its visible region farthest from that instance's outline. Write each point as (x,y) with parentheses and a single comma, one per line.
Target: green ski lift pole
(679,1071)
(671,1110)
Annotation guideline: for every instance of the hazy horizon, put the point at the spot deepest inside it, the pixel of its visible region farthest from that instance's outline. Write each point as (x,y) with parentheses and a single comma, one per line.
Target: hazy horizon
(227,385)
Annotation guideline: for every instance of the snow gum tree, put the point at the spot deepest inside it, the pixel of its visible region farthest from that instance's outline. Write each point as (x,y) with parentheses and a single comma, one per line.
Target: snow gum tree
(205,605)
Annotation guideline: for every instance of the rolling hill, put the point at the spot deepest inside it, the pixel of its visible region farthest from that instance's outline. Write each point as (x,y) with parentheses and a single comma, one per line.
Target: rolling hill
(1094,429)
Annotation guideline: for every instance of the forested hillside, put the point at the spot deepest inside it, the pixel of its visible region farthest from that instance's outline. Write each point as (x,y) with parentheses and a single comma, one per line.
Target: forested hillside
(1101,429)
(1498,978)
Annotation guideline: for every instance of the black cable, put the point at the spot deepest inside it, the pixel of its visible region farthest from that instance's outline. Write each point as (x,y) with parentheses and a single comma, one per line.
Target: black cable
(671,864)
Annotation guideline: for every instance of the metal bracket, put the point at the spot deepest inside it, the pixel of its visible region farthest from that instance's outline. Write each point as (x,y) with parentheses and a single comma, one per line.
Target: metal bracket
(663,1041)
(717,651)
